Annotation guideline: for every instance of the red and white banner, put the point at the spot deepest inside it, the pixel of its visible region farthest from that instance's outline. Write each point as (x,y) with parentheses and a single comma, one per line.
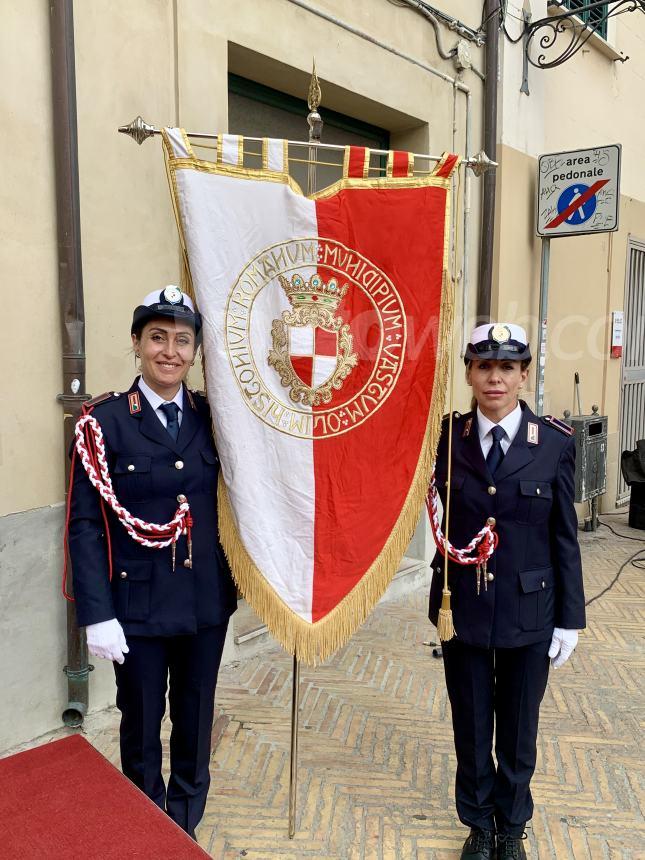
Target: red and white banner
(325,333)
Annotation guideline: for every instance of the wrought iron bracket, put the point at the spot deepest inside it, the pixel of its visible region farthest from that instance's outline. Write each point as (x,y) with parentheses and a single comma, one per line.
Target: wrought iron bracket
(544,35)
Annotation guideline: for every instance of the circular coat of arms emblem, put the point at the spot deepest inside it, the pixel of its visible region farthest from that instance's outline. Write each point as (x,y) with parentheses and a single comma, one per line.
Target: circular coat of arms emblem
(500,333)
(316,337)
(173,295)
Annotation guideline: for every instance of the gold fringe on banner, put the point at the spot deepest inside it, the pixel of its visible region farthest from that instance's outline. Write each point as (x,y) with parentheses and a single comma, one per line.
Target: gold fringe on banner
(445,625)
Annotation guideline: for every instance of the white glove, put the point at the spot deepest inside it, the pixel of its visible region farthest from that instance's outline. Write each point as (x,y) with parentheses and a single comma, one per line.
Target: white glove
(107,639)
(562,645)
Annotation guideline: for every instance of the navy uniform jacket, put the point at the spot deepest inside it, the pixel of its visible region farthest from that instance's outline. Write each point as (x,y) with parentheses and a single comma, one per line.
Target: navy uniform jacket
(536,567)
(149,470)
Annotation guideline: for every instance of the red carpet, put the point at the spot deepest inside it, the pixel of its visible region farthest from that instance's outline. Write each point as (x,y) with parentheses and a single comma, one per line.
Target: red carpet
(65,800)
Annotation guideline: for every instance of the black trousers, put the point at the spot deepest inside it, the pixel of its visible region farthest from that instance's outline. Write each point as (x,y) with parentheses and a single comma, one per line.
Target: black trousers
(191,664)
(495,688)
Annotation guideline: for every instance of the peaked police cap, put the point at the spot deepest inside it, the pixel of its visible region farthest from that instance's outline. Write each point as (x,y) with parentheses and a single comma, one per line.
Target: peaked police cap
(170,302)
(498,341)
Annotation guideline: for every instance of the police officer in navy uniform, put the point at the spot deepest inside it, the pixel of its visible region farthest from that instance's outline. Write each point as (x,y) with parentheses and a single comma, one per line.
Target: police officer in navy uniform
(509,465)
(157,620)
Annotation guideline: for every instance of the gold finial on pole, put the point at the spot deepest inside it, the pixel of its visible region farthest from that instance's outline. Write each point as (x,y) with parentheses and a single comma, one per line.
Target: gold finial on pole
(315,94)
(315,123)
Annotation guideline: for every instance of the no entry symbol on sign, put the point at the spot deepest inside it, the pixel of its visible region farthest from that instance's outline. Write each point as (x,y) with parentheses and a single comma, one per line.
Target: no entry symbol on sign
(577,203)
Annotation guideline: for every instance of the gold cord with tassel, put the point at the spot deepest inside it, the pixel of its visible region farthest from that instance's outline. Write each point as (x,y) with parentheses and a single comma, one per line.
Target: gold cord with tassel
(445,626)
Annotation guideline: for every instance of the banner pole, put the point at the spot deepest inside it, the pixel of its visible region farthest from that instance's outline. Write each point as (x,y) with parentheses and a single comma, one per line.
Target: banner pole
(314,120)
(293,775)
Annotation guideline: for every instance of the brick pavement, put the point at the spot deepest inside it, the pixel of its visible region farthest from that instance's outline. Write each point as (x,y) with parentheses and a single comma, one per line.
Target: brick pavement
(376,762)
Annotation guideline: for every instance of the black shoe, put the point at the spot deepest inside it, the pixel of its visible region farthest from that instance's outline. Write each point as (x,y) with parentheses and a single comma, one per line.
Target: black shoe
(480,845)
(510,847)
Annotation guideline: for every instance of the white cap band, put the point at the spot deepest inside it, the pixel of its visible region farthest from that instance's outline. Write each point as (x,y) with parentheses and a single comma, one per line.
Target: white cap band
(155,297)
(483,332)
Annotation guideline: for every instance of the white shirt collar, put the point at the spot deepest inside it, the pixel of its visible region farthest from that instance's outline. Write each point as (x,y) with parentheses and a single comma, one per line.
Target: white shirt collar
(153,398)
(510,423)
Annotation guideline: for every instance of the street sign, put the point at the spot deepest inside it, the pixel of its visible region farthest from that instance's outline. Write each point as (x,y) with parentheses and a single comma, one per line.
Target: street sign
(578,192)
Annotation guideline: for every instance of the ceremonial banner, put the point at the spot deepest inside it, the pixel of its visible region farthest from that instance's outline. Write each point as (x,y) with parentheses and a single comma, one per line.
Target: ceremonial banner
(326,326)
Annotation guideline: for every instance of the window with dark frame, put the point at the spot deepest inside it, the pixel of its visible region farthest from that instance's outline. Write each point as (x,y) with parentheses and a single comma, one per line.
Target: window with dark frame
(258,110)
(591,17)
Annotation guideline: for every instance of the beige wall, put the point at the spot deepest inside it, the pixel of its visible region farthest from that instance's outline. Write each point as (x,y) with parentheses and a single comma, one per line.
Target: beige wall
(30,419)
(595,100)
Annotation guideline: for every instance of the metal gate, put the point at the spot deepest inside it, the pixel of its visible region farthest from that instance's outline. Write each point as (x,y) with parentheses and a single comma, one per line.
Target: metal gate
(632,400)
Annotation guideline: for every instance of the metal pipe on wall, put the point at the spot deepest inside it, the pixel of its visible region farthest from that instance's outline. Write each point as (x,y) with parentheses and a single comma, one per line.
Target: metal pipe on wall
(70,298)
(465,282)
(332,19)
(484,290)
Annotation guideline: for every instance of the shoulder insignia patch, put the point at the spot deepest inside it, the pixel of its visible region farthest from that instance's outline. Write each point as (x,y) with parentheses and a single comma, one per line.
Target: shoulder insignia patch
(558,425)
(532,433)
(101,398)
(134,402)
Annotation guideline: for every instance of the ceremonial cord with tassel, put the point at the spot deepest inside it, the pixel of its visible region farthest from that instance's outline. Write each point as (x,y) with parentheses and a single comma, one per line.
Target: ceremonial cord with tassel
(445,627)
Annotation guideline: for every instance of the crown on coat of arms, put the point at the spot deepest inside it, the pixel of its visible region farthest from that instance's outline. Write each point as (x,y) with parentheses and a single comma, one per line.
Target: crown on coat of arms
(315,291)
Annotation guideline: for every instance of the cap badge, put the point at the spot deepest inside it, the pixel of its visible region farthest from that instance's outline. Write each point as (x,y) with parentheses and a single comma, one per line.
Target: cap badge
(500,333)
(172,295)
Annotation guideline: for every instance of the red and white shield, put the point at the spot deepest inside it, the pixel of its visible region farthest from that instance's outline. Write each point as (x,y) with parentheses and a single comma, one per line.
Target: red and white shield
(313,352)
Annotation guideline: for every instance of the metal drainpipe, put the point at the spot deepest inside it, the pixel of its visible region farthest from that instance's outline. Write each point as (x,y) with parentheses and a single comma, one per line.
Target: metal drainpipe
(484,290)
(465,323)
(70,298)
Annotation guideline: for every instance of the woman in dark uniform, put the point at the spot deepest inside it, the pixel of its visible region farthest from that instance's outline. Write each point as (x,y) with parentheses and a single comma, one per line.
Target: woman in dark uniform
(163,615)
(510,465)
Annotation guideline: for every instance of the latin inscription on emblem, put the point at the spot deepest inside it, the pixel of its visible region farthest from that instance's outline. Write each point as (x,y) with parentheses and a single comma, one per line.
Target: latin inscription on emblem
(316,336)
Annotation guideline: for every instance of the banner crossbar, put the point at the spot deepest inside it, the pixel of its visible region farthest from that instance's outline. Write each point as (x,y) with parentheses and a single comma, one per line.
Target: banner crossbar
(140,130)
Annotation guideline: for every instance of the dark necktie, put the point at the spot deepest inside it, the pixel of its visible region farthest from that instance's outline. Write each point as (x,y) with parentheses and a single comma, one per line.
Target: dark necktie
(495,455)
(171,411)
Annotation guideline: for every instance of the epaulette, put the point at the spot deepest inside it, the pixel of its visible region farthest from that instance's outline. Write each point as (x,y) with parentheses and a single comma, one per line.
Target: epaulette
(552,421)
(101,398)
(455,415)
